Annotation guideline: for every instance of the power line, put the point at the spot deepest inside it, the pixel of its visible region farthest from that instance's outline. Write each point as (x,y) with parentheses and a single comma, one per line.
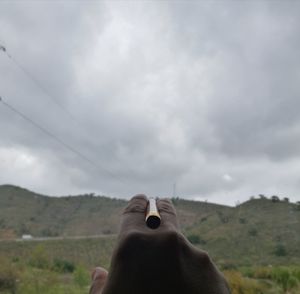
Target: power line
(37,82)
(54,137)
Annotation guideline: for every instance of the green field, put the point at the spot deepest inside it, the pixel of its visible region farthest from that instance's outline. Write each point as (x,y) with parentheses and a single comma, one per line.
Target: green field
(54,266)
(64,266)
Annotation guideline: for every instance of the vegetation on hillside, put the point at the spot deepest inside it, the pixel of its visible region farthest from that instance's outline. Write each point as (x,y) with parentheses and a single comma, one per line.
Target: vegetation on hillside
(256,244)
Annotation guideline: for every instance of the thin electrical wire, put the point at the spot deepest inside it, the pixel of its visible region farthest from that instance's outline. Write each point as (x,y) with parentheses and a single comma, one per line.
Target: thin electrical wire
(37,83)
(54,137)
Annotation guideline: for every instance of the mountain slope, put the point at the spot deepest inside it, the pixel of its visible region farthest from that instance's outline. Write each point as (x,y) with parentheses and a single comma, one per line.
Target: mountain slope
(25,212)
(258,231)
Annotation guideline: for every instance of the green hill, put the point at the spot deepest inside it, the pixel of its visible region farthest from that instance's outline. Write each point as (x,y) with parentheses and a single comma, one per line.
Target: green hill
(25,212)
(258,231)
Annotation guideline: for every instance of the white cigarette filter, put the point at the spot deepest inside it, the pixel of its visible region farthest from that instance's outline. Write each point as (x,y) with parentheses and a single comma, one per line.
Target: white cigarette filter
(152,216)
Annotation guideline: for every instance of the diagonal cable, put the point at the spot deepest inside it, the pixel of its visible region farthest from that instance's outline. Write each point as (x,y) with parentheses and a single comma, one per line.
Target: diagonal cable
(37,83)
(60,141)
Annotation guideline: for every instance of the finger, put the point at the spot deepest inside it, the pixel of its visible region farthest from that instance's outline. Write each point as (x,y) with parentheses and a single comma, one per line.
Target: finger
(136,204)
(133,218)
(99,276)
(168,214)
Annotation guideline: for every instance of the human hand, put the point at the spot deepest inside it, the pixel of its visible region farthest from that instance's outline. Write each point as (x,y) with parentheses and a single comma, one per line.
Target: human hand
(156,261)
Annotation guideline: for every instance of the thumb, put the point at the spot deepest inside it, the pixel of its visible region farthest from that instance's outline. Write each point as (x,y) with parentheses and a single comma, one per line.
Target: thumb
(99,276)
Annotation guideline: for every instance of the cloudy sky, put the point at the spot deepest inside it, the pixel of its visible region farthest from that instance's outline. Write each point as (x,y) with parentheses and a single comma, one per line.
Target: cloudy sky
(141,95)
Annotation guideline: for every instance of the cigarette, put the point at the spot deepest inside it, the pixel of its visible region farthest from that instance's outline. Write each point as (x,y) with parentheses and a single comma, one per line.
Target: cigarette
(152,216)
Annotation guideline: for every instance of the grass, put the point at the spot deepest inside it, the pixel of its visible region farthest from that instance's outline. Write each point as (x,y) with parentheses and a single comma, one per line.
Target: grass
(88,252)
(36,271)
(56,266)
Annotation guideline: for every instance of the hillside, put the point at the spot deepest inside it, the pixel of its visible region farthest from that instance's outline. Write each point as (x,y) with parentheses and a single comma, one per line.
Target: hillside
(25,212)
(258,231)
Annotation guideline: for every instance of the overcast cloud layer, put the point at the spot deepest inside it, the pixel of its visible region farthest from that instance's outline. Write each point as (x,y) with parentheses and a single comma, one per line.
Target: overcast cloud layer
(202,94)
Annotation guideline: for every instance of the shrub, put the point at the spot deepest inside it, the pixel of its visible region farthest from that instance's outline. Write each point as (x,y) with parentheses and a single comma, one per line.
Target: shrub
(281,276)
(280,250)
(37,281)
(263,273)
(252,232)
(39,257)
(8,277)
(248,272)
(242,220)
(228,266)
(195,239)
(203,219)
(63,266)
(292,283)
(81,277)
(240,285)
(296,273)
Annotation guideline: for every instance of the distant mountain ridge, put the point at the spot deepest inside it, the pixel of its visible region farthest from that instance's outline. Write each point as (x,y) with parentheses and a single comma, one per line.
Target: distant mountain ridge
(259,230)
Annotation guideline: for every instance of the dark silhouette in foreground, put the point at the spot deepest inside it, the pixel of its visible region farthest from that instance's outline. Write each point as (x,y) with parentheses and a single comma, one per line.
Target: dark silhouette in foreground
(159,261)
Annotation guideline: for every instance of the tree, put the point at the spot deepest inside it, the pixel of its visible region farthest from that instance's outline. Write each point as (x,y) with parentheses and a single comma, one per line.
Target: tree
(262,196)
(275,198)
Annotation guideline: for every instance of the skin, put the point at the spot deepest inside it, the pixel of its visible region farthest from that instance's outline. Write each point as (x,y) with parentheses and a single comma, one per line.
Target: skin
(159,261)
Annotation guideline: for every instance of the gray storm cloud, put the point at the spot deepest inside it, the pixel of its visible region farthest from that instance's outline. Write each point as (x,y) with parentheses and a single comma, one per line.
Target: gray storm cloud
(204,95)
